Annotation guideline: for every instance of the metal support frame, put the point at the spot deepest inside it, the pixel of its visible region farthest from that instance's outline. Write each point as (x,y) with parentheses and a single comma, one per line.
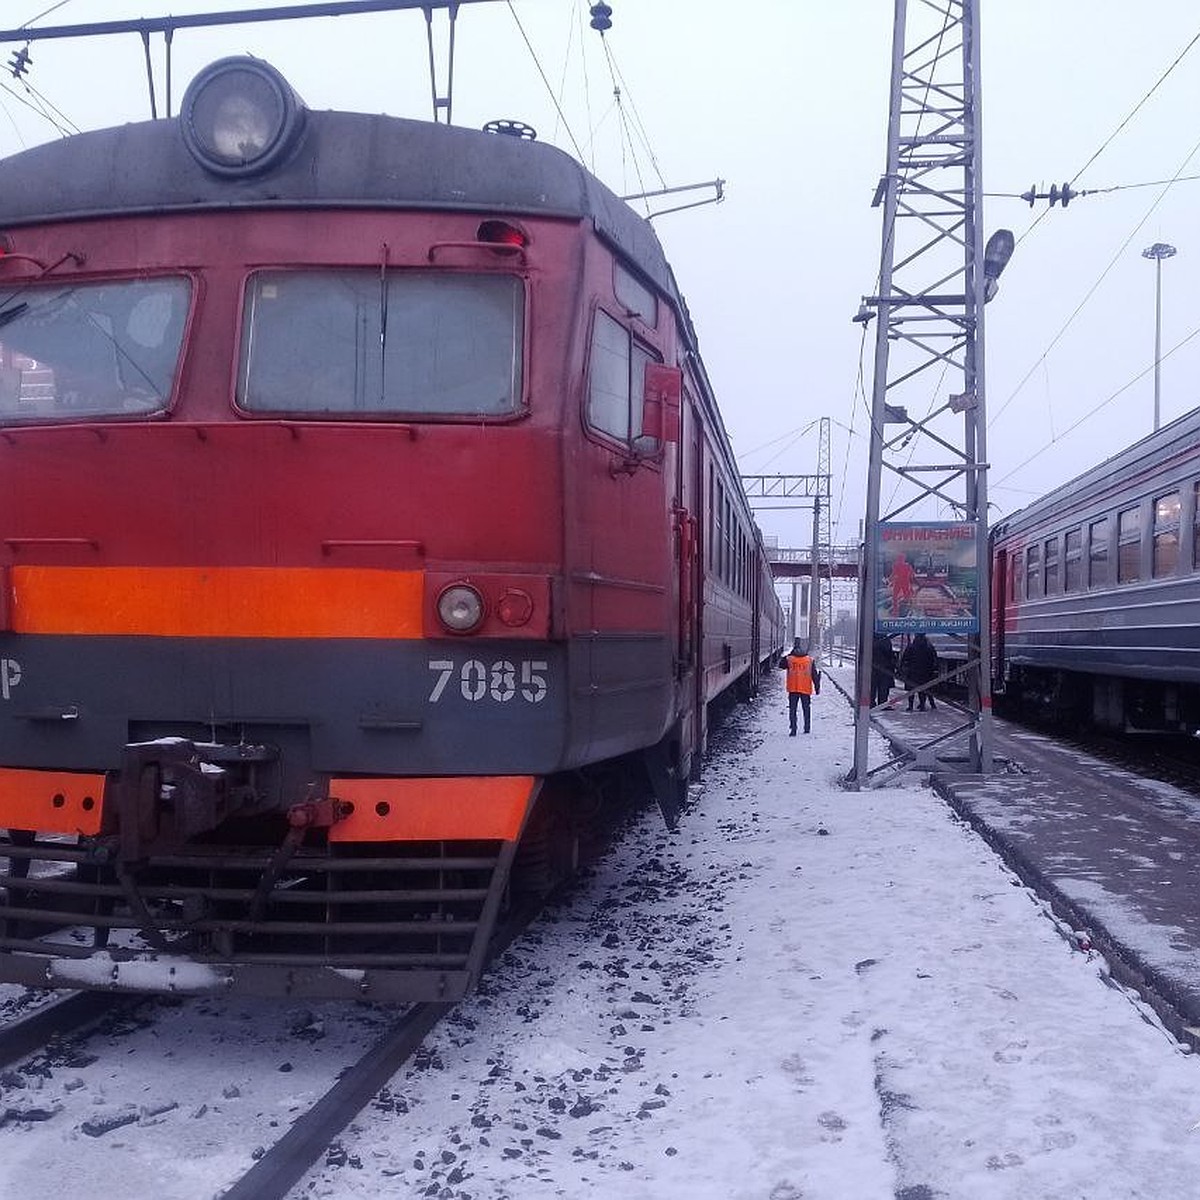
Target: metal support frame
(817,489)
(929,326)
(145,26)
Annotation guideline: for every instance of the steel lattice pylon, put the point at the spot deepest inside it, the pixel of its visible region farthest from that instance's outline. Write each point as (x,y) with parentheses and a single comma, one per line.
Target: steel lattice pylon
(927,407)
(823,562)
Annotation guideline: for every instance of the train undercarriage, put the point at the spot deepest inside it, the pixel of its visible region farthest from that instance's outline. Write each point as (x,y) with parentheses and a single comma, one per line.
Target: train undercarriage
(1116,704)
(191,894)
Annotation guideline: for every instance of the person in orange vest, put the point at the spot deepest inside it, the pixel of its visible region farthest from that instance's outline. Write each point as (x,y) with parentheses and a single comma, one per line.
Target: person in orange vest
(803,682)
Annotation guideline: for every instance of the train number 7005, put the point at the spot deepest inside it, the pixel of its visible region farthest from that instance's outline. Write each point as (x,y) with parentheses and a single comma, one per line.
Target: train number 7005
(500,681)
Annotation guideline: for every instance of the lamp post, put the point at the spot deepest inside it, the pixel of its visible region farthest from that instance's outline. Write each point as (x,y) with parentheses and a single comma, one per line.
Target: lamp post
(1158,252)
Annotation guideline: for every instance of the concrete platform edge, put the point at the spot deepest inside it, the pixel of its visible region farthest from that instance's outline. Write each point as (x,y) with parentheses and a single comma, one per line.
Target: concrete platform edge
(1126,966)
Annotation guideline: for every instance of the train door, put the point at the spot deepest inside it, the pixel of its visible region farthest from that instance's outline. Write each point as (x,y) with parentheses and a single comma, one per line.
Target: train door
(999,616)
(688,505)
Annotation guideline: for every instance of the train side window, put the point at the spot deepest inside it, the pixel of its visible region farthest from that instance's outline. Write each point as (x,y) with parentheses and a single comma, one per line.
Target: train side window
(1166,534)
(618,369)
(1196,526)
(1073,560)
(1129,545)
(1015,590)
(1098,553)
(1033,572)
(638,300)
(1050,564)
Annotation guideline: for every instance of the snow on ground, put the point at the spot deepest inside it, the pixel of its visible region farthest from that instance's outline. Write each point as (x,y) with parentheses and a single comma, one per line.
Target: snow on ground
(804,994)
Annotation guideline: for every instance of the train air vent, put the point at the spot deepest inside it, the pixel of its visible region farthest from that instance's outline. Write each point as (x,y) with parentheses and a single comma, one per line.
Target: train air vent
(517,129)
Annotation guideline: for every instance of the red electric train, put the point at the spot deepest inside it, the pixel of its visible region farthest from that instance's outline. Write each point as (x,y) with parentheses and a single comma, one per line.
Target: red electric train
(363,503)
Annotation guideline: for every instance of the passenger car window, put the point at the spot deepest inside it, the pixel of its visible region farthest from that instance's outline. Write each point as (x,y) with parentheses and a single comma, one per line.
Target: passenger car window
(1073,560)
(1033,572)
(1129,545)
(341,343)
(88,350)
(1098,553)
(1050,561)
(1166,534)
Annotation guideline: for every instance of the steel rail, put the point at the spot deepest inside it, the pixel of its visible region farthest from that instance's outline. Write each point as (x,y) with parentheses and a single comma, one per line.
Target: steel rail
(57,1019)
(287,1161)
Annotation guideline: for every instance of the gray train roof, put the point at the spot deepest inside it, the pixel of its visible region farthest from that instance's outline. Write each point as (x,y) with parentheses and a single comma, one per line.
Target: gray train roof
(343,159)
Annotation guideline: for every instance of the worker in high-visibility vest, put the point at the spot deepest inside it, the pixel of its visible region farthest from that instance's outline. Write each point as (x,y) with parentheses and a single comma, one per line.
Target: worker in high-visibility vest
(803,682)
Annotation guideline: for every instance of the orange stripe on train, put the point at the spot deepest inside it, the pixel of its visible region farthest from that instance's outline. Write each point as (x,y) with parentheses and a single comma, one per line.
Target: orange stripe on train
(433,809)
(231,602)
(51,801)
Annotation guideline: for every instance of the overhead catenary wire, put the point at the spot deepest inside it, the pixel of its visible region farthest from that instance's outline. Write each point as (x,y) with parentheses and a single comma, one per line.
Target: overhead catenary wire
(1092,290)
(36,108)
(562,116)
(1178,177)
(1099,407)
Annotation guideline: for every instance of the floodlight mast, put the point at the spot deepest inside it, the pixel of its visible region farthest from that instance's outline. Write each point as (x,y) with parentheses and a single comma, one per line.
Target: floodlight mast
(934,279)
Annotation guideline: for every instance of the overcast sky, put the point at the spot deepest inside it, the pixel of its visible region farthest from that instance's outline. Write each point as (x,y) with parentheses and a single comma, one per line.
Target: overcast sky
(787,101)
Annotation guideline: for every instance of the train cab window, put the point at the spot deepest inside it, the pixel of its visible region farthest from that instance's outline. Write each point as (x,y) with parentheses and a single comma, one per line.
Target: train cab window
(83,351)
(339,343)
(1073,560)
(1166,534)
(1033,572)
(638,300)
(618,372)
(1098,553)
(1050,567)
(1129,545)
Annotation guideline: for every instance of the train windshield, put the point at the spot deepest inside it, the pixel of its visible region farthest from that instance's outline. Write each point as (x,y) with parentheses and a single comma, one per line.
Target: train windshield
(75,352)
(353,343)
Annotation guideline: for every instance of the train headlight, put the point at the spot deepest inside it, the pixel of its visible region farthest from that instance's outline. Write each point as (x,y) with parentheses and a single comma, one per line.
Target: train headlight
(460,608)
(240,117)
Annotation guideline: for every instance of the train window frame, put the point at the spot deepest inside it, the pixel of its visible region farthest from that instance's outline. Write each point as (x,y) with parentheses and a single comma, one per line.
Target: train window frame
(1165,534)
(1016,577)
(635,353)
(1098,566)
(1196,525)
(1033,572)
(634,296)
(1073,560)
(1129,544)
(1050,564)
(153,333)
(516,407)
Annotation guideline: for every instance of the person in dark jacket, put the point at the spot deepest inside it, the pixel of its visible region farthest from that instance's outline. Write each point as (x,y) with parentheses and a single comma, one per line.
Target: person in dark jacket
(803,681)
(883,669)
(918,665)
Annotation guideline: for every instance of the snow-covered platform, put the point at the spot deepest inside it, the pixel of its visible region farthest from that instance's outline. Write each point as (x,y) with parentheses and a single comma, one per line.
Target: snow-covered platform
(1115,854)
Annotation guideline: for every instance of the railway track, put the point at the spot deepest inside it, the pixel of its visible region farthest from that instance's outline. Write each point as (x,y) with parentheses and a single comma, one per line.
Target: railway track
(286,1162)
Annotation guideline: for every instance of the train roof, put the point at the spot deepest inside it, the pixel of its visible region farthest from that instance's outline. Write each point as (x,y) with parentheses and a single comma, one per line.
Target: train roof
(1122,470)
(351,160)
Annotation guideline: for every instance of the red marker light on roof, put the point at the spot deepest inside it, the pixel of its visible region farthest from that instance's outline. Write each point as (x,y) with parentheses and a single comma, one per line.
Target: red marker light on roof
(501,233)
